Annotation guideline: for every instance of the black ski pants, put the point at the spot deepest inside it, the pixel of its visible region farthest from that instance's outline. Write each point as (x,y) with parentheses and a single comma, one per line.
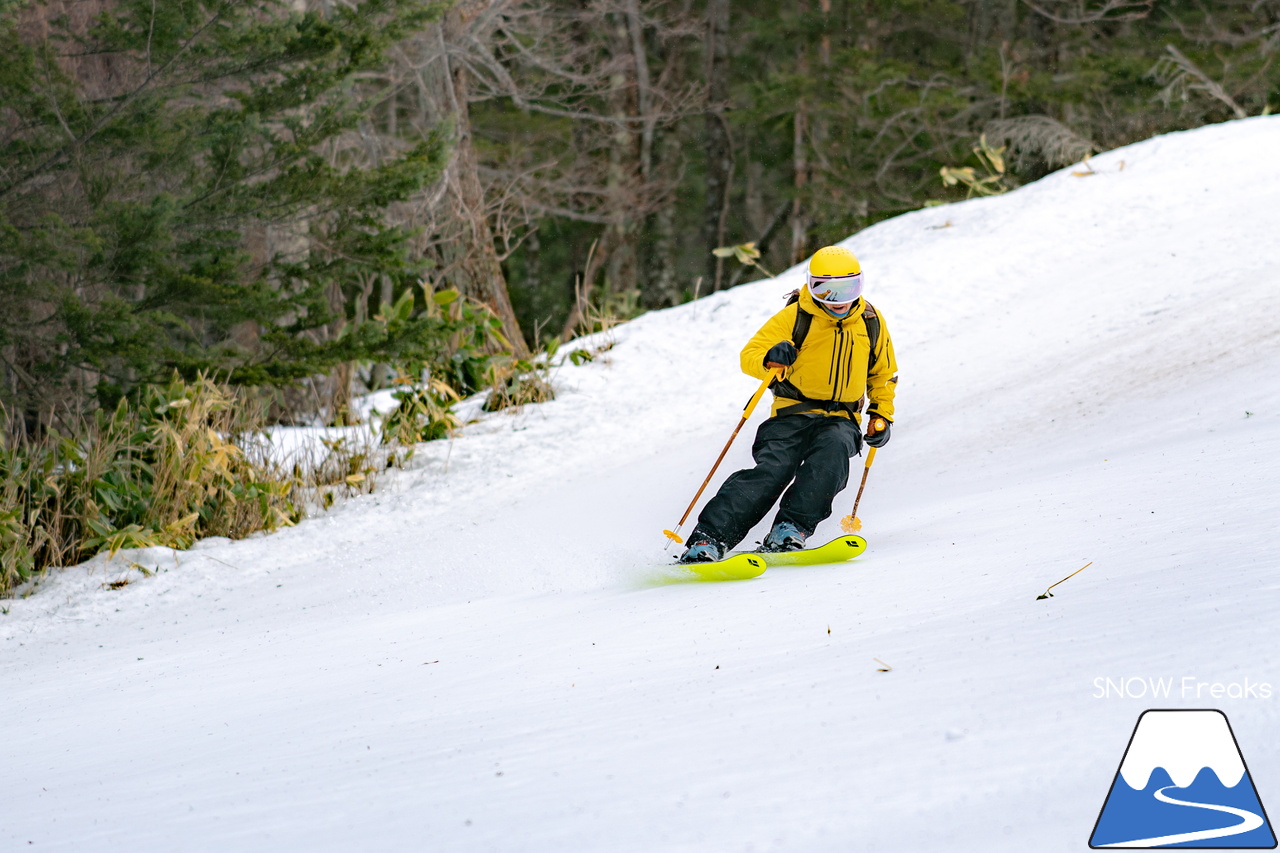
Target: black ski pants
(807,455)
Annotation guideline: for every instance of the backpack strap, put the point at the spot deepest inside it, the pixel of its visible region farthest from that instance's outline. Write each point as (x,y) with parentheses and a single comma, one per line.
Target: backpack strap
(804,319)
(787,391)
(872,321)
(800,330)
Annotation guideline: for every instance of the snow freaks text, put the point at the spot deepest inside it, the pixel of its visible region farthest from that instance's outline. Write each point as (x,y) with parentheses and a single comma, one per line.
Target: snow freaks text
(1186,687)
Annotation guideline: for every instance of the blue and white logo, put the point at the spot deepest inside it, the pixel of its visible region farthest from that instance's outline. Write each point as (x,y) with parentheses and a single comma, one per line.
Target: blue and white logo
(1183,783)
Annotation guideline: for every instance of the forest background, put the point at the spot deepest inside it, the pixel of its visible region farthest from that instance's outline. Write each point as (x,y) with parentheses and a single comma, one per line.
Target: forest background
(210,207)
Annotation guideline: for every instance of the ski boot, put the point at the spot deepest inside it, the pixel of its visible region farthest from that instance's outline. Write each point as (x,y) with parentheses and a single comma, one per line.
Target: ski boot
(784,536)
(702,549)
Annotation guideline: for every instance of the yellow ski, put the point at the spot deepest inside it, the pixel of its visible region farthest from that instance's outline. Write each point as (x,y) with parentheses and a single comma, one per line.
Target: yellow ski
(838,550)
(739,567)
(751,564)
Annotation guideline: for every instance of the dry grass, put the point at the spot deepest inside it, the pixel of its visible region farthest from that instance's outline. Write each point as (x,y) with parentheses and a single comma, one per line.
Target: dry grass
(187,461)
(1034,136)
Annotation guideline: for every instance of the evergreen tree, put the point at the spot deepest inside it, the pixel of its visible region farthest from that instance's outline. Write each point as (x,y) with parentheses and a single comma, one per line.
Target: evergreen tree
(178,191)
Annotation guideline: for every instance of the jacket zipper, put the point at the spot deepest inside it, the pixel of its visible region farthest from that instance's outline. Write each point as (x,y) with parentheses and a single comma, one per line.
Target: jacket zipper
(836,374)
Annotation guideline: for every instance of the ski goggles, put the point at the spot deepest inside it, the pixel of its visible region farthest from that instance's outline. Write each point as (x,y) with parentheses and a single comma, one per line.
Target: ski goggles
(835,289)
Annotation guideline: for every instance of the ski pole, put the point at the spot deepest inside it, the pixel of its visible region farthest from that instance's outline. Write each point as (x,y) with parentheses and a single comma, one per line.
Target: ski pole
(673,535)
(851,523)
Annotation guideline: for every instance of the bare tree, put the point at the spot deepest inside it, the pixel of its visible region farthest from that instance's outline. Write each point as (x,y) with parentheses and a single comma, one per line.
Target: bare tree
(579,77)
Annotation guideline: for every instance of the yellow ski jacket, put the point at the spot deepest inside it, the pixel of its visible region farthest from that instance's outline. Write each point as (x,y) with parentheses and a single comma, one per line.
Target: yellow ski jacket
(832,364)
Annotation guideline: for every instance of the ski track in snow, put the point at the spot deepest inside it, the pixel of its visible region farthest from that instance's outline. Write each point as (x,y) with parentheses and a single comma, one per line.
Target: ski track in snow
(484,655)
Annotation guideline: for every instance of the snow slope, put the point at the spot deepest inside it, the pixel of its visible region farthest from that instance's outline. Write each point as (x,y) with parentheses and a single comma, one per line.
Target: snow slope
(486,655)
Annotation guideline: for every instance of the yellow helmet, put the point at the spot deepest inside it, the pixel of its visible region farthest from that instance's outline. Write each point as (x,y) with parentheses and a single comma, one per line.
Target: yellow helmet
(834,261)
(835,277)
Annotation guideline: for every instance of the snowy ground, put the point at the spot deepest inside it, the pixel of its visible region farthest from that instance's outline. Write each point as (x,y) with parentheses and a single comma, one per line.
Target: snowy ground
(1088,374)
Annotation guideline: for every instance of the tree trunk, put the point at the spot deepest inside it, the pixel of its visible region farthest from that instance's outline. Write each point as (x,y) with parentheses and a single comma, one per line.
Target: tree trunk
(620,266)
(661,286)
(800,167)
(821,125)
(719,145)
(660,157)
(470,262)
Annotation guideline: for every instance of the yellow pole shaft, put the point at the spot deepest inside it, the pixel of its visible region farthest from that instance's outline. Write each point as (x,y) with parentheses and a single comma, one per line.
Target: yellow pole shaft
(866,469)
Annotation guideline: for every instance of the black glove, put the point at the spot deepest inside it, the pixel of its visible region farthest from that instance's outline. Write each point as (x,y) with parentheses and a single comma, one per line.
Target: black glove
(877,431)
(783,352)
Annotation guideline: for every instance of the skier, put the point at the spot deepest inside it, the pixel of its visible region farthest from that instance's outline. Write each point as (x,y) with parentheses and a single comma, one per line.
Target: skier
(835,352)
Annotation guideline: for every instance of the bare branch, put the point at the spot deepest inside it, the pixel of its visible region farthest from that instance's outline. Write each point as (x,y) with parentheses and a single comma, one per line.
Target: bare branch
(1111,10)
(1178,72)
